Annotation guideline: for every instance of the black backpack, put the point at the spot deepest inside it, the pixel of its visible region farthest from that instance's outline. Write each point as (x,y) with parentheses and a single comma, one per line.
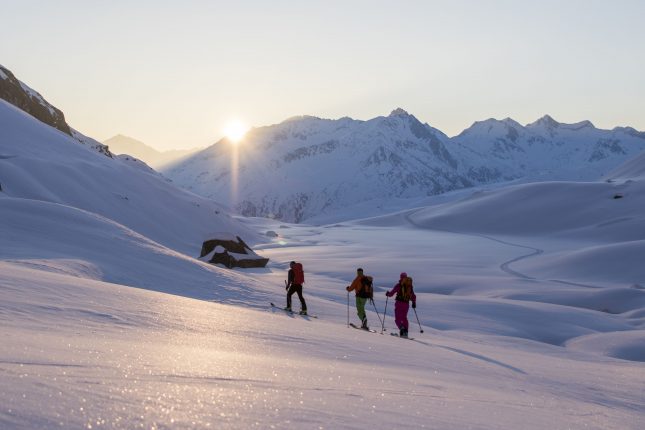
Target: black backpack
(367,290)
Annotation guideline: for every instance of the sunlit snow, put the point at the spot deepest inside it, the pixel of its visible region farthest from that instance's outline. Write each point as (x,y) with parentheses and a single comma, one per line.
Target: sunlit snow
(531,298)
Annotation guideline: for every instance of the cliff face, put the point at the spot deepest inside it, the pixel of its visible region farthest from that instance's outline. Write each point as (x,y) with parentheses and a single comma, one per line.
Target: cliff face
(23,97)
(17,93)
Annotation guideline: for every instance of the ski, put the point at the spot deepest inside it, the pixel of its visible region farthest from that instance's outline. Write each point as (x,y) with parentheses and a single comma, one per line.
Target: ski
(273,305)
(397,335)
(361,328)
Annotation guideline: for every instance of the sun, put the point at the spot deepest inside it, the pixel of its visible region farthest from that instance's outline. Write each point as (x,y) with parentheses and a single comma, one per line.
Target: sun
(235,130)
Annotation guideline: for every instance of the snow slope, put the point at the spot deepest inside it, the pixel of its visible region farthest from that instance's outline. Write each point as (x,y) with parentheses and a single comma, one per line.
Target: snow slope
(81,348)
(632,169)
(40,163)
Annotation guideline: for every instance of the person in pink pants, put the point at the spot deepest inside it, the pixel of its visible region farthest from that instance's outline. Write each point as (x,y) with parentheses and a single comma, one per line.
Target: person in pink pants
(404,293)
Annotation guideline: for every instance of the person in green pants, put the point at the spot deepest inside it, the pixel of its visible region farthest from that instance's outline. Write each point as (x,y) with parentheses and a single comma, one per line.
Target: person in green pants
(361,285)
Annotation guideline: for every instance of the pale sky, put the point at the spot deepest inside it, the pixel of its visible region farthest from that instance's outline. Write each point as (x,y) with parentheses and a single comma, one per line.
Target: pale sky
(173,74)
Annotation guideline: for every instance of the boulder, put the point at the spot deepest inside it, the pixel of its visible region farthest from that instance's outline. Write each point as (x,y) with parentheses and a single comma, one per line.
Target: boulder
(231,253)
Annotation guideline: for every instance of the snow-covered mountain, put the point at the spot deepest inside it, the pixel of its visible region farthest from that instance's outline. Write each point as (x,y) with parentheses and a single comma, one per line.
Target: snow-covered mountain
(549,150)
(121,144)
(307,166)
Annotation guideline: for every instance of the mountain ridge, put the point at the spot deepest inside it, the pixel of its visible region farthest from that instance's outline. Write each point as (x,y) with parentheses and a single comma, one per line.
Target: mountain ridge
(126,145)
(394,156)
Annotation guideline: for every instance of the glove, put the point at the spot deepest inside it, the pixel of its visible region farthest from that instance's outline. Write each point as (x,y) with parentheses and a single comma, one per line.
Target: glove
(388,294)
(414,305)
(347,288)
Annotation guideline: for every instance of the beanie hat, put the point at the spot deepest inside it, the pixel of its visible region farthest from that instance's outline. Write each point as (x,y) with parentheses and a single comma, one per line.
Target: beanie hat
(403,275)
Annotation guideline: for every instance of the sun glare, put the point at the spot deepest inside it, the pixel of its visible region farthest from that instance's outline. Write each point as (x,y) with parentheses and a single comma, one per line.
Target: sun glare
(235,131)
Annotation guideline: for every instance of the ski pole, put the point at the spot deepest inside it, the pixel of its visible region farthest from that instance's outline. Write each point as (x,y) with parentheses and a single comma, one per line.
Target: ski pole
(415,314)
(377,314)
(348,309)
(384,313)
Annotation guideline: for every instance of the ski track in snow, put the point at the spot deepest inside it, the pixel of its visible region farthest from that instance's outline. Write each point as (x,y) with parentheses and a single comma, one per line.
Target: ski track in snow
(505,267)
(470,354)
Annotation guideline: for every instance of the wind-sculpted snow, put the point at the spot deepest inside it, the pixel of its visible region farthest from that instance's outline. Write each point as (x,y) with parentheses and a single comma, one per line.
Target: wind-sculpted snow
(81,348)
(60,239)
(580,210)
(501,348)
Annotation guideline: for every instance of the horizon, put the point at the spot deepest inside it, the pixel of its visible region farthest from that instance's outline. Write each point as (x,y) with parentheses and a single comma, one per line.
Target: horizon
(176,76)
(526,124)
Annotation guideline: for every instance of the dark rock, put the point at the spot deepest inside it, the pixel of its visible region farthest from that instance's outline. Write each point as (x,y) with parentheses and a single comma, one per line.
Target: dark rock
(16,93)
(232,253)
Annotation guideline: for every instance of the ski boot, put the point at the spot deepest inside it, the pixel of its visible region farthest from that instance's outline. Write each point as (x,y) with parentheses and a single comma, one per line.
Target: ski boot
(364,325)
(303,312)
(404,332)
(287,308)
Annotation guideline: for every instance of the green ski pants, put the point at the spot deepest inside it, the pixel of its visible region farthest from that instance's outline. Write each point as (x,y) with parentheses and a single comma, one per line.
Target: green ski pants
(360,308)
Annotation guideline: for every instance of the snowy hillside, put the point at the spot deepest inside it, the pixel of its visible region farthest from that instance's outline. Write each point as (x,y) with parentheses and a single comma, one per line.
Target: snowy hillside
(510,340)
(283,171)
(41,163)
(120,144)
(632,169)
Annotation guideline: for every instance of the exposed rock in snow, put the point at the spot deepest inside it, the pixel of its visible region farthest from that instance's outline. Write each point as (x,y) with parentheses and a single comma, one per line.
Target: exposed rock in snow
(23,97)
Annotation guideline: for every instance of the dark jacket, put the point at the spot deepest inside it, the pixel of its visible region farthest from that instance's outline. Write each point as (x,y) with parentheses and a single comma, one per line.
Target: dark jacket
(291,275)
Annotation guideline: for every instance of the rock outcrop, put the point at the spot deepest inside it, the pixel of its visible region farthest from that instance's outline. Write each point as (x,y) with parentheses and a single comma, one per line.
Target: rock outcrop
(231,253)
(17,93)
(30,101)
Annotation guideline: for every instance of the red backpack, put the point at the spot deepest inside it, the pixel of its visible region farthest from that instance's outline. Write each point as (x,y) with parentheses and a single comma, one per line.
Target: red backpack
(298,274)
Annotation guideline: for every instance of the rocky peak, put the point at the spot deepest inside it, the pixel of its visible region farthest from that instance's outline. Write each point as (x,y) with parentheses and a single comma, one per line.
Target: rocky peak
(398,112)
(23,97)
(546,121)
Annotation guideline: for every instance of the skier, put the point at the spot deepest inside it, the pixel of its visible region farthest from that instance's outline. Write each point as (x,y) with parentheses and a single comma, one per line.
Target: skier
(296,277)
(404,293)
(361,285)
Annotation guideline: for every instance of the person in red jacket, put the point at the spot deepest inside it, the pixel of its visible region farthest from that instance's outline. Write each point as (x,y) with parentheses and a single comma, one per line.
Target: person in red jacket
(404,293)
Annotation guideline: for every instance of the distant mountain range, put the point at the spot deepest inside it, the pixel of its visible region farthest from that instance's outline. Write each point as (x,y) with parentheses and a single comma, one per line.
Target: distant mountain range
(306,166)
(121,144)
